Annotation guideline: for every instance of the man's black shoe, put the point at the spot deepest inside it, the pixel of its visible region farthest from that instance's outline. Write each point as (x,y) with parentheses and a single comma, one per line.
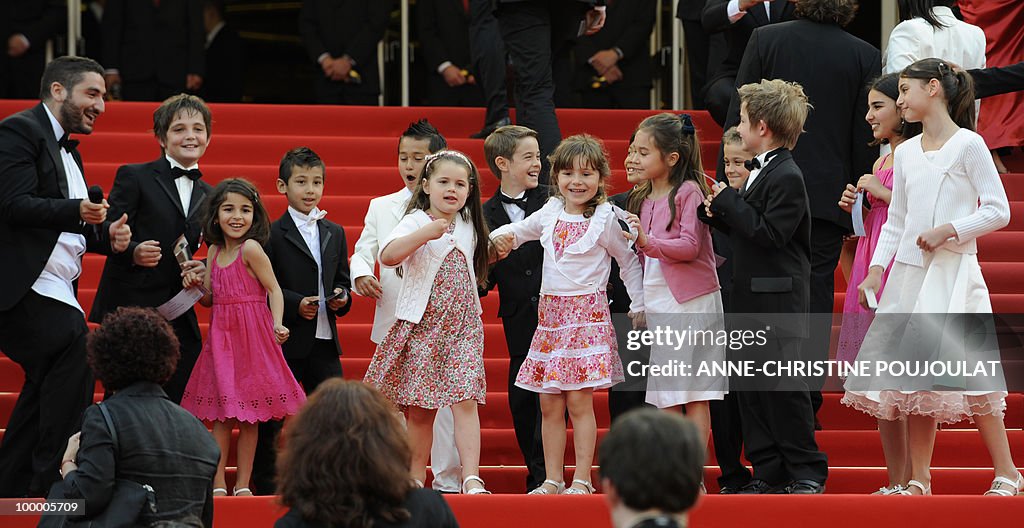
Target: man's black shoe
(486,131)
(806,487)
(757,487)
(728,490)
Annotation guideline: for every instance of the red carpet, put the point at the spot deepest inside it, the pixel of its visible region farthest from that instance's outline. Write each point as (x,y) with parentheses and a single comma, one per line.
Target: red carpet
(359,146)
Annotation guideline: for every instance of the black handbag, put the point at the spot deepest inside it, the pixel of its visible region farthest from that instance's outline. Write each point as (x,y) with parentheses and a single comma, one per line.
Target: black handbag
(128,501)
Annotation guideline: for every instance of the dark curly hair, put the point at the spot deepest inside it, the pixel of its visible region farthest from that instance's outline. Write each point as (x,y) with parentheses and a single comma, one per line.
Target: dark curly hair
(132,344)
(345,459)
(839,12)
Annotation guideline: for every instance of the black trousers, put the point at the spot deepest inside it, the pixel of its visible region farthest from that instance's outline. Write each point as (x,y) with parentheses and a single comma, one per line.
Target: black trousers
(778,426)
(717,97)
(727,436)
(617,96)
(537,35)
(46,338)
(321,364)
(826,246)
(526,421)
(341,93)
(697,49)
(190,347)
(488,57)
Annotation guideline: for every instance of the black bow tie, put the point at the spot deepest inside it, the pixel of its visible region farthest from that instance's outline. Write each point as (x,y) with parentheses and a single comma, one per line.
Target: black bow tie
(752,164)
(520,202)
(192,174)
(67,144)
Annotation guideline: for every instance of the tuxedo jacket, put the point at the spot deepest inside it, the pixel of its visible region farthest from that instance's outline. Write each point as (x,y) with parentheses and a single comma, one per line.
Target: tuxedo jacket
(517,276)
(346,27)
(769,227)
(146,41)
(835,69)
(628,27)
(296,272)
(34,204)
(998,80)
(148,194)
(225,68)
(715,18)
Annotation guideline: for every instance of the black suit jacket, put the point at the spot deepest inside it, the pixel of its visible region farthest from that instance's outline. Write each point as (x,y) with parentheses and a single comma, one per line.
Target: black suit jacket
(443,27)
(148,194)
(997,81)
(225,68)
(769,227)
(38,20)
(34,204)
(835,69)
(296,272)
(617,294)
(715,18)
(346,27)
(629,28)
(518,276)
(146,42)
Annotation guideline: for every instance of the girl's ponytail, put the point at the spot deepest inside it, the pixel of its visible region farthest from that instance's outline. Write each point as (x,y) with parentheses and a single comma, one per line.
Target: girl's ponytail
(961,105)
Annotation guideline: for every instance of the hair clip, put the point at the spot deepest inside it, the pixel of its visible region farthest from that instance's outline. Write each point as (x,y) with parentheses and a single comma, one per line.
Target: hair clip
(944,68)
(431,158)
(687,122)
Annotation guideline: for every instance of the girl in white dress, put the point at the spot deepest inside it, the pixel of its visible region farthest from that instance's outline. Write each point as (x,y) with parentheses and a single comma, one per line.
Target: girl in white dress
(957,197)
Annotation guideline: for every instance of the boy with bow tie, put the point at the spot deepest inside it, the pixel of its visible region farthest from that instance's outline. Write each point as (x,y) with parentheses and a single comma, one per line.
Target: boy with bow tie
(163,200)
(310,259)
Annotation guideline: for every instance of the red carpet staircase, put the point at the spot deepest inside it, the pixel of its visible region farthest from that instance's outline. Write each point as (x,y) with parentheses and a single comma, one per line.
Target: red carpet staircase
(359,147)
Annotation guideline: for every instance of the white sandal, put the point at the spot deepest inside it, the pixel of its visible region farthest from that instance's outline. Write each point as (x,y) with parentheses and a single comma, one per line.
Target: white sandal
(220,492)
(475,491)
(589,488)
(925,490)
(997,486)
(541,490)
(241,492)
(895,489)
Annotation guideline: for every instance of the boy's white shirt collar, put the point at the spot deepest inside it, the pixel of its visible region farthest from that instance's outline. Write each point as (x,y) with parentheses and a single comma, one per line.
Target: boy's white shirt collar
(174,163)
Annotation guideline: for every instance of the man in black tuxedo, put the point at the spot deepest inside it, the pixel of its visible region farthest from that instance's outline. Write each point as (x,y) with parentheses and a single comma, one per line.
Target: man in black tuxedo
(835,70)
(310,260)
(154,50)
(341,37)
(225,57)
(619,55)
(514,157)
(738,19)
(46,223)
(443,27)
(538,36)
(25,26)
(164,200)
(769,225)
(490,62)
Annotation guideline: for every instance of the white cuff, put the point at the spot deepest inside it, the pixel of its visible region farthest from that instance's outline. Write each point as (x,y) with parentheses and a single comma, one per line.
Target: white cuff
(444,65)
(323,56)
(24,39)
(733,10)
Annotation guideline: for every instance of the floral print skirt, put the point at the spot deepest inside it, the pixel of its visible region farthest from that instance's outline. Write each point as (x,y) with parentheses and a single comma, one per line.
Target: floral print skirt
(574,346)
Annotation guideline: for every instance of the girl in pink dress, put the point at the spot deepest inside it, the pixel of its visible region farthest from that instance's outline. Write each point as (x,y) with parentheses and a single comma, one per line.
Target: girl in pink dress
(432,356)
(241,377)
(887,126)
(574,350)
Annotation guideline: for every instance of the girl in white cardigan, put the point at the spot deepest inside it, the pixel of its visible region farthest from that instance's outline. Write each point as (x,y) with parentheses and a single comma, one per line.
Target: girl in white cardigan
(574,350)
(432,356)
(956,196)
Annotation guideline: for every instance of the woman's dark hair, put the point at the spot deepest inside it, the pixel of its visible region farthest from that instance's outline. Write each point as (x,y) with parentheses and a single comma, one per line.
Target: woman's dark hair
(345,459)
(671,133)
(131,345)
(922,9)
(839,12)
(889,86)
(654,459)
(957,87)
(260,228)
(471,212)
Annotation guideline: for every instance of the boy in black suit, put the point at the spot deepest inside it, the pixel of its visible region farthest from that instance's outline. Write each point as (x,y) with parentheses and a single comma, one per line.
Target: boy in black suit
(513,155)
(769,225)
(310,260)
(163,200)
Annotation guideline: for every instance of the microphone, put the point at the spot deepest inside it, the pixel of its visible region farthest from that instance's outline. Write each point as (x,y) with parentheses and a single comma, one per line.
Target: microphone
(96,197)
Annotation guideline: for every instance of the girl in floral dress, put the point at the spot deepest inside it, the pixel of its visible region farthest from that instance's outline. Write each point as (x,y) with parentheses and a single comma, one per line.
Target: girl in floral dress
(432,356)
(574,349)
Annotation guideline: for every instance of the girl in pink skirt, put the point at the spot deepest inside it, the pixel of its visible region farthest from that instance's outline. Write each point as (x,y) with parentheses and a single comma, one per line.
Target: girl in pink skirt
(574,349)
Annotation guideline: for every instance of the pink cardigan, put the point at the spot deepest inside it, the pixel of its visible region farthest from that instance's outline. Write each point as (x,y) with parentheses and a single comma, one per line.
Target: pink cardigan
(684,250)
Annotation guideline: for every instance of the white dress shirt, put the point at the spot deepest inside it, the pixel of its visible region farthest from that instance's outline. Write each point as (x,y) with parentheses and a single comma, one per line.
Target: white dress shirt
(65,262)
(515,213)
(764,159)
(309,229)
(733,10)
(183,184)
